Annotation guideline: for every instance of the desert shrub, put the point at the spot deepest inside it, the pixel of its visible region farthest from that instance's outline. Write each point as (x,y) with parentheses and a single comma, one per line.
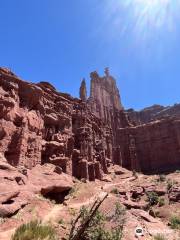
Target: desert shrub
(114,191)
(96,226)
(175,222)
(72,211)
(170,184)
(72,191)
(134,173)
(162,178)
(61,221)
(161,202)
(159,237)
(152,212)
(152,198)
(96,229)
(34,230)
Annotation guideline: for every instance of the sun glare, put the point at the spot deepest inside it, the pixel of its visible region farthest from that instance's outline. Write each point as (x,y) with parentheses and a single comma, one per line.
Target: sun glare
(146,16)
(153,2)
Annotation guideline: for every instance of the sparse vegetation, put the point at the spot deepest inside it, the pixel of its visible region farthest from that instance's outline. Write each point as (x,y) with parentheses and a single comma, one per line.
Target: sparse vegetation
(153,212)
(34,230)
(170,184)
(74,191)
(90,224)
(157,213)
(152,198)
(162,178)
(61,221)
(96,230)
(72,211)
(161,202)
(175,222)
(115,191)
(134,173)
(159,237)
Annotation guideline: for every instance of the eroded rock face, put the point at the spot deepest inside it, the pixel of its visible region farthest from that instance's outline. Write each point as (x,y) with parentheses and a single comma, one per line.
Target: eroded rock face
(39,125)
(81,137)
(151,147)
(105,103)
(104,95)
(155,112)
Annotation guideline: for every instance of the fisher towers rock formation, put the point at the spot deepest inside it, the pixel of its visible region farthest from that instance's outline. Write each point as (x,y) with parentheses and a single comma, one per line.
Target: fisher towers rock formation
(105,103)
(39,125)
(104,95)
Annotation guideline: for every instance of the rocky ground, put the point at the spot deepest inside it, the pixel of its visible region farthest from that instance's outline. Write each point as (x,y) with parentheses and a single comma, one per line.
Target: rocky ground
(124,187)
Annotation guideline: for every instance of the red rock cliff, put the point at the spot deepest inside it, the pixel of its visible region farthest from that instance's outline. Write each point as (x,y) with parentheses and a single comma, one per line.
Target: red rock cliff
(39,125)
(81,137)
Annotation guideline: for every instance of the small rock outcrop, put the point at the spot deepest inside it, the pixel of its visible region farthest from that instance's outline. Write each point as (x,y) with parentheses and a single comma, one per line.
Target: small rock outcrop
(17,189)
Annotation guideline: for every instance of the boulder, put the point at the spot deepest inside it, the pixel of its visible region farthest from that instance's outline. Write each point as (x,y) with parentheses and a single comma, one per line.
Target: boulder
(136,205)
(44,179)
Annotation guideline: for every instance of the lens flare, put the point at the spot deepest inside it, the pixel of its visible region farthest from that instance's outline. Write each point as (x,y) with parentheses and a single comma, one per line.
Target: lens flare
(145,17)
(152,13)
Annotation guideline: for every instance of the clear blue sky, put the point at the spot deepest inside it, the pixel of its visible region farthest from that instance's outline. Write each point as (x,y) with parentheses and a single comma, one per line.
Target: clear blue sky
(62,41)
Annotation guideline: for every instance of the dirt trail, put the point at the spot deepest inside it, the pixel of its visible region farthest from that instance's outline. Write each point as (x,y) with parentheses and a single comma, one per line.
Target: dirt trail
(53,214)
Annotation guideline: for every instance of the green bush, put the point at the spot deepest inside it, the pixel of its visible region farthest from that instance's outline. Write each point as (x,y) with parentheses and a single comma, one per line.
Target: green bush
(175,222)
(153,198)
(159,237)
(61,221)
(115,191)
(34,230)
(97,230)
(161,202)
(153,213)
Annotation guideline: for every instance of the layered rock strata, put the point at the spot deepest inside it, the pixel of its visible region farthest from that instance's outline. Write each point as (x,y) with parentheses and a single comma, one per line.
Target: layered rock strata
(151,147)
(39,125)
(82,137)
(155,112)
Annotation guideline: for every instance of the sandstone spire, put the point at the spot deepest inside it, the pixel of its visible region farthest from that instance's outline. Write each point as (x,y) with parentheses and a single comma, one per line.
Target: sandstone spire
(104,95)
(83,91)
(106,71)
